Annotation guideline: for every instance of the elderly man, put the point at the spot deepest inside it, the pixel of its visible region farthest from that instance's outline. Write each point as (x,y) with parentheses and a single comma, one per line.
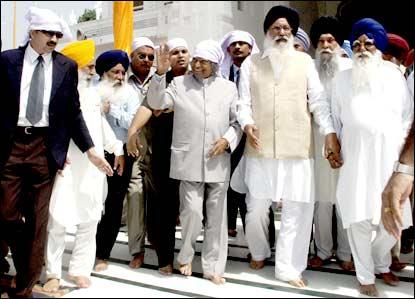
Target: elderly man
(39,118)
(372,111)
(163,209)
(204,127)
(279,88)
(237,46)
(301,41)
(326,37)
(120,103)
(79,193)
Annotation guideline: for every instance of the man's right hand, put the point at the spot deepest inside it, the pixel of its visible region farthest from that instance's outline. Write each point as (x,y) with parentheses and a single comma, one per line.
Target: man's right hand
(163,60)
(99,162)
(134,145)
(252,133)
(105,106)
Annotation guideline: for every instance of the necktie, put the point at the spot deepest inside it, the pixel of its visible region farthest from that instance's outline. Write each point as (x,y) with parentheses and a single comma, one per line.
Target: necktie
(35,101)
(237,78)
(231,75)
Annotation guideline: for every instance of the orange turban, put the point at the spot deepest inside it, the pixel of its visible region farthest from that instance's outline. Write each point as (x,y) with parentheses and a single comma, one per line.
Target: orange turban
(83,52)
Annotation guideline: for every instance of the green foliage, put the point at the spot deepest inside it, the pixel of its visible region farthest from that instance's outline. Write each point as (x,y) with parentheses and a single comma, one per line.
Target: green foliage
(88,15)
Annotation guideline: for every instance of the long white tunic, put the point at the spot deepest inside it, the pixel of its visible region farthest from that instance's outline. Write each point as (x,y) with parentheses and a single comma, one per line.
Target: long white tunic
(325,176)
(78,196)
(372,127)
(274,178)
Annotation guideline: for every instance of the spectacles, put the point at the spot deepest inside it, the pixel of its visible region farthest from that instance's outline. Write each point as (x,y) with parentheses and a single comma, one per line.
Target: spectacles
(203,62)
(52,33)
(143,56)
(367,44)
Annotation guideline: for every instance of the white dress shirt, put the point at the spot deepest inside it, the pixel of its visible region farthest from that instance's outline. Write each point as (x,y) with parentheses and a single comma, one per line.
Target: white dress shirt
(29,64)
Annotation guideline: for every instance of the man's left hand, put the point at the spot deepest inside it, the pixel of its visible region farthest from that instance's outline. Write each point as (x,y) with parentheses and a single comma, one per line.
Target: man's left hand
(99,162)
(119,163)
(219,147)
(332,151)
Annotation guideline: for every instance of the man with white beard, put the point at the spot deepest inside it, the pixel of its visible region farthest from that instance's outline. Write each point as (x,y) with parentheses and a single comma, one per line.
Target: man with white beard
(79,191)
(372,111)
(327,36)
(120,103)
(279,89)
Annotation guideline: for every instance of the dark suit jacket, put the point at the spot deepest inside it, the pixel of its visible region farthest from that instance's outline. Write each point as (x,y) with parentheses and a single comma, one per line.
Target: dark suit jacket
(65,116)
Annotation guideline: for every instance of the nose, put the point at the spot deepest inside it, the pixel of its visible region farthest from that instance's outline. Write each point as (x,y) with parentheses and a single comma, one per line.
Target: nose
(325,44)
(54,38)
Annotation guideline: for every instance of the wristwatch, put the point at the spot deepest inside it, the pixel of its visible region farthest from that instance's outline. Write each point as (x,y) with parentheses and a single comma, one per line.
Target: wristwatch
(403,168)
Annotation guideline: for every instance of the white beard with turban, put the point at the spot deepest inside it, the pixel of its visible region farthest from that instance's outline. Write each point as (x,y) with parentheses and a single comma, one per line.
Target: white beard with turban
(282,48)
(115,92)
(327,64)
(365,72)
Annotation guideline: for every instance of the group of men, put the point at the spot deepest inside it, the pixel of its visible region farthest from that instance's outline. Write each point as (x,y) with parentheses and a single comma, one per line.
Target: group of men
(241,129)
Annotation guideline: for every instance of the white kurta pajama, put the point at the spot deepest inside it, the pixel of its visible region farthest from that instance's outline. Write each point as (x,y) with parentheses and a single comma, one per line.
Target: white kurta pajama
(268,180)
(372,126)
(78,196)
(325,194)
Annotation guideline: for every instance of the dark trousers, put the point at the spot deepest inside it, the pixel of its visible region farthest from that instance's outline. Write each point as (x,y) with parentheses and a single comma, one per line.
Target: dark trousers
(110,223)
(25,187)
(237,200)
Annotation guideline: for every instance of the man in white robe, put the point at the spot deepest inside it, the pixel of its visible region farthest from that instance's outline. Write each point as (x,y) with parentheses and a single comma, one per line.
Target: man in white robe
(372,111)
(279,89)
(80,189)
(326,37)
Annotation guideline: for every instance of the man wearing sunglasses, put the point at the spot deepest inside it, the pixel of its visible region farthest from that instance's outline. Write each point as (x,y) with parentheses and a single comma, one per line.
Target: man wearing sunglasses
(39,116)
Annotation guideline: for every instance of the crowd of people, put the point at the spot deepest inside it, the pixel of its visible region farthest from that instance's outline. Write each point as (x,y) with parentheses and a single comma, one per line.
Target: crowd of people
(199,136)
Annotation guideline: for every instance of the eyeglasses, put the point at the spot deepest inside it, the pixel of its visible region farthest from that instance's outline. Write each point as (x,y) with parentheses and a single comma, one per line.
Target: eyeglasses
(368,44)
(52,33)
(143,56)
(202,62)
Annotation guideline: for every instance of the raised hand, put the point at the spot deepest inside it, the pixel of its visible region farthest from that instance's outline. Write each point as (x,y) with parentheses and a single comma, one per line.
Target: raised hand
(163,59)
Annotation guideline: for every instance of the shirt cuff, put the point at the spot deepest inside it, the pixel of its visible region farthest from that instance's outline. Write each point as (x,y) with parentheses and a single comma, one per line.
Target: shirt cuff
(328,130)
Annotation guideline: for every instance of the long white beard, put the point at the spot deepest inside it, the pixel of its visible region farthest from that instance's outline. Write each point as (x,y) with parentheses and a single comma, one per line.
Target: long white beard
(327,64)
(365,72)
(117,94)
(281,48)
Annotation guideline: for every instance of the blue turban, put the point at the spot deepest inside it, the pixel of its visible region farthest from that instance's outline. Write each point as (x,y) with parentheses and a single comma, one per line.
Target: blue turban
(109,59)
(373,30)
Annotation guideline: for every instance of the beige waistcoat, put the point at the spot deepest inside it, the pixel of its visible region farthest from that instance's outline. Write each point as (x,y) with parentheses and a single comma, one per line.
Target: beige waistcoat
(280,109)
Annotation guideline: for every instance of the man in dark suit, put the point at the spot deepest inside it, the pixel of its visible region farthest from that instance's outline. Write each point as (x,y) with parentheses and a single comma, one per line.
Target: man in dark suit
(40,114)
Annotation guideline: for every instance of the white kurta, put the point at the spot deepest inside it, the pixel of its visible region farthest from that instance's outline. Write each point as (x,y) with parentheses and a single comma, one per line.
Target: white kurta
(372,128)
(78,196)
(325,176)
(273,178)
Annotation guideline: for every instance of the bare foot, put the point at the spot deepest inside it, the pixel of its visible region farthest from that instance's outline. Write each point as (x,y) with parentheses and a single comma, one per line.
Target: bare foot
(51,286)
(80,281)
(137,261)
(186,269)
(299,283)
(216,279)
(256,264)
(166,270)
(101,265)
(369,290)
(13,282)
(347,265)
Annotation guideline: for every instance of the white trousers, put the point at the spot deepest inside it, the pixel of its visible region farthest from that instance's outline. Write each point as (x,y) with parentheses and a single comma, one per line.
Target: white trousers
(83,254)
(215,242)
(323,213)
(369,256)
(293,240)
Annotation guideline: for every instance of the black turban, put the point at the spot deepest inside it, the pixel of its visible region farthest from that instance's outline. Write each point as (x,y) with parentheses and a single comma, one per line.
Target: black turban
(282,12)
(109,59)
(325,25)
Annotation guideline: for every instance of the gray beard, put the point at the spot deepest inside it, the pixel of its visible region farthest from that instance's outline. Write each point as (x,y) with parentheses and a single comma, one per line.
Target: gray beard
(327,67)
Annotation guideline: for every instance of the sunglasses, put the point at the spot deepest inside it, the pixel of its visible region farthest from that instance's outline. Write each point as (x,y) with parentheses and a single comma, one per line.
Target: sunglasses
(52,33)
(143,56)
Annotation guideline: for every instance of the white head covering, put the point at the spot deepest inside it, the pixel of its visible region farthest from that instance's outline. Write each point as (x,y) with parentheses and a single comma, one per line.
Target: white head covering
(140,42)
(228,39)
(177,42)
(45,19)
(209,50)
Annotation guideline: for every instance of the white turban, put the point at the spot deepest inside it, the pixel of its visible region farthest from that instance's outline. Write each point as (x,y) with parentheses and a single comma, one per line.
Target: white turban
(177,42)
(45,19)
(209,50)
(228,39)
(140,42)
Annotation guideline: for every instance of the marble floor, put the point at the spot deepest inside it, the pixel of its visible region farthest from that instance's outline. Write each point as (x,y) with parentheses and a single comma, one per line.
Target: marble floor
(121,281)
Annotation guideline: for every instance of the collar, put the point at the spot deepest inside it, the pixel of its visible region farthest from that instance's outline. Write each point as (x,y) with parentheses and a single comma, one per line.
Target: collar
(32,55)
(135,78)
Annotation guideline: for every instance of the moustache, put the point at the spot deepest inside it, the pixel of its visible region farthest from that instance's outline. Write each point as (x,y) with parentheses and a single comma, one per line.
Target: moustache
(51,44)
(365,54)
